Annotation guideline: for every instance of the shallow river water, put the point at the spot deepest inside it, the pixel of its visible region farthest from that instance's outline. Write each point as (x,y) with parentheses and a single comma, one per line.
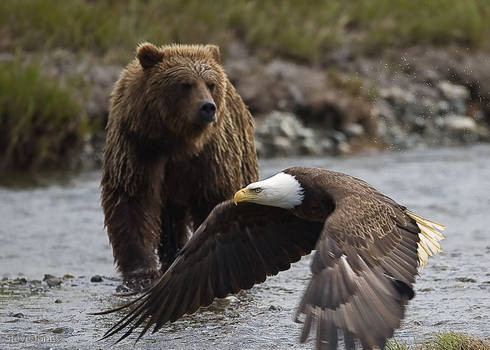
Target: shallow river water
(54,225)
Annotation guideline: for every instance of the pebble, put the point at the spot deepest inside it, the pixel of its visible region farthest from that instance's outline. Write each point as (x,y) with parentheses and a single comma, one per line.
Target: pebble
(96,278)
(58,330)
(53,282)
(465,279)
(354,129)
(453,92)
(280,134)
(460,123)
(21,280)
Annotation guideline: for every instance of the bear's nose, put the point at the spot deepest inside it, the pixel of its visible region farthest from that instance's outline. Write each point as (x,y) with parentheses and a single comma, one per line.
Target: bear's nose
(207,111)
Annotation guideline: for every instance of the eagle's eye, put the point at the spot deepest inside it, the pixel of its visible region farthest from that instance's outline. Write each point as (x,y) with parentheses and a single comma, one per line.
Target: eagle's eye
(257,190)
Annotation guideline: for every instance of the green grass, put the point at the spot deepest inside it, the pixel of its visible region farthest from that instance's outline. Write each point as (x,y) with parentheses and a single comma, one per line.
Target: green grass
(455,341)
(298,29)
(443,341)
(394,344)
(40,120)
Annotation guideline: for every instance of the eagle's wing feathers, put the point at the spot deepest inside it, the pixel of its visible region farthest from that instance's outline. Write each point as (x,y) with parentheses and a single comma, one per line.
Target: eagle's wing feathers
(235,248)
(365,264)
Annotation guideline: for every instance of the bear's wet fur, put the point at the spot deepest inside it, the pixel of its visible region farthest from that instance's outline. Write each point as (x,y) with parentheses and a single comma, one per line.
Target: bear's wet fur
(179,141)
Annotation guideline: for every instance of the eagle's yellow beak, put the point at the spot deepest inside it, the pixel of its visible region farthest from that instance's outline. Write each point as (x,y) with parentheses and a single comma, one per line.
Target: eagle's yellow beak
(243,195)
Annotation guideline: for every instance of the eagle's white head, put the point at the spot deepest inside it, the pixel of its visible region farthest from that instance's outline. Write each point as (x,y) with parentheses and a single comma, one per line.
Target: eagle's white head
(281,190)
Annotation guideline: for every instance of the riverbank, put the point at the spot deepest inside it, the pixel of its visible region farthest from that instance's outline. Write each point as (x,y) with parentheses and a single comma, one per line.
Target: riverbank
(423,98)
(360,77)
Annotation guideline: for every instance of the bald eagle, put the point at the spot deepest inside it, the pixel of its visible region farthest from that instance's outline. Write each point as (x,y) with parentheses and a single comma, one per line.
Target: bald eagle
(368,249)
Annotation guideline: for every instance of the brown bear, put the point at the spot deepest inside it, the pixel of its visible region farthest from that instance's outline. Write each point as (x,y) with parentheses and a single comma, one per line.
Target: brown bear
(179,140)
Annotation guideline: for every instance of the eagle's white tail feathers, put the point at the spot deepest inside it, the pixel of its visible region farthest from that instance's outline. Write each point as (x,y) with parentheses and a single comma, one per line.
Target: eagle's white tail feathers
(429,237)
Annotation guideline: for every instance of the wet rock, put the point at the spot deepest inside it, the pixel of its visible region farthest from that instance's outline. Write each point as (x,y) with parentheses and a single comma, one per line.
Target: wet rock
(58,301)
(15,320)
(465,279)
(123,289)
(353,130)
(326,145)
(455,94)
(232,299)
(460,123)
(337,136)
(397,96)
(283,134)
(311,147)
(17,315)
(344,148)
(48,276)
(58,330)
(96,278)
(281,145)
(53,282)
(20,280)
(42,321)
(443,107)
(275,308)
(68,276)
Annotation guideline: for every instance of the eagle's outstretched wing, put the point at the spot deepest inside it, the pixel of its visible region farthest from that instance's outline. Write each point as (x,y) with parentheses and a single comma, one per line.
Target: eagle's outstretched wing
(236,247)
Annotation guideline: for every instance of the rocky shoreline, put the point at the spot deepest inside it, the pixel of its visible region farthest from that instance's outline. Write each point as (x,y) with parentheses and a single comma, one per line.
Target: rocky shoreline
(341,105)
(426,97)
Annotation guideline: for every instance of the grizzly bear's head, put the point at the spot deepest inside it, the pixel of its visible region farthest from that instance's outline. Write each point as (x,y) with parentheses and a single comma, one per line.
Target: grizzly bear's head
(172,91)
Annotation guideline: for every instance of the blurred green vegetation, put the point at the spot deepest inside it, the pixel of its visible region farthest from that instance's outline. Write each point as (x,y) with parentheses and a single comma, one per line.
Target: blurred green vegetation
(443,341)
(394,344)
(42,123)
(40,120)
(298,29)
(455,341)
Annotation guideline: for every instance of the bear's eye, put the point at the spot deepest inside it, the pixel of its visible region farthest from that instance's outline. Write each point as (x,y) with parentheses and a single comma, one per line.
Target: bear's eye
(257,190)
(211,86)
(186,86)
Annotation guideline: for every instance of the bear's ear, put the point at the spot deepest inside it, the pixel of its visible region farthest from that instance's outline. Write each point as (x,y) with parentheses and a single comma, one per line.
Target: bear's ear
(214,51)
(148,55)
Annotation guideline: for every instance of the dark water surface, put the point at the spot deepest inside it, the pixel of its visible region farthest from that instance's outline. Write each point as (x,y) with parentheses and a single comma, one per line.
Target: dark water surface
(56,227)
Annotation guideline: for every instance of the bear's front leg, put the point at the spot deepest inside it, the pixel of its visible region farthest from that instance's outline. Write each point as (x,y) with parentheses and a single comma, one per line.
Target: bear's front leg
(133,226)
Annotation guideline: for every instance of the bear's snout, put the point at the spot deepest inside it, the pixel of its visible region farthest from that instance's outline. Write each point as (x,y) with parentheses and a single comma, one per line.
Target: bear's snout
(207,111)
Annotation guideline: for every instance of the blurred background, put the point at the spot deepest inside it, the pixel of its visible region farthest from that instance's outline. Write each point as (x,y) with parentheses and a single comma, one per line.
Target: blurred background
(396,92)
(320,77)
